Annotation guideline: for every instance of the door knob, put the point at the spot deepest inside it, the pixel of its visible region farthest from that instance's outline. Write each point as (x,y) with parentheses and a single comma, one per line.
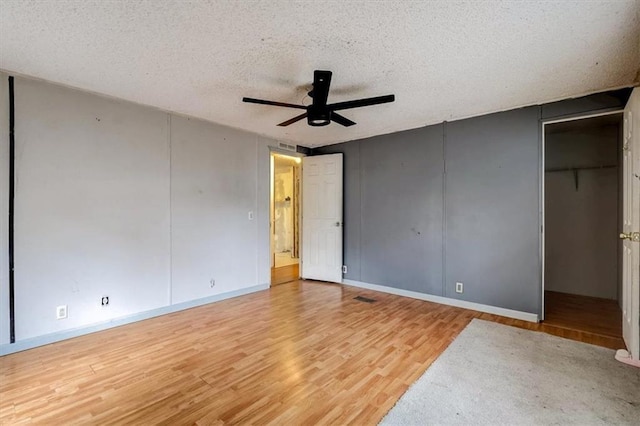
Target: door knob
(338,224)
(631,236)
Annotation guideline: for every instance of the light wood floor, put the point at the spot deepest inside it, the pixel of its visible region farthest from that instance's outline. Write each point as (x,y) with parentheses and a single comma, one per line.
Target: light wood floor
(601,318)
(298,353)
(285,274)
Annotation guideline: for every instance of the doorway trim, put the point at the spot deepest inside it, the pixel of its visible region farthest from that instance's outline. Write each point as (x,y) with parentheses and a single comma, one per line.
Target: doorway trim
(543,123)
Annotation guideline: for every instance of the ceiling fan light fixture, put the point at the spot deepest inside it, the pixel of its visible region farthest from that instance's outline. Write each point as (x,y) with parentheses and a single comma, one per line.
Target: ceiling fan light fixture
(318,117)
(318,121)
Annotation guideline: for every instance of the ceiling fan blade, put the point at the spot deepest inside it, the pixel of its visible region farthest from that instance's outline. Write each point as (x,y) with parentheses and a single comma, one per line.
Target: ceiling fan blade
(341,120)
(293,120)
(361,102)
(321,83)
(281,104)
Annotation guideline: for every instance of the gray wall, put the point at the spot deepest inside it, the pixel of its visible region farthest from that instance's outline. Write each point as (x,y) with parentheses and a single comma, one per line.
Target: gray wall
(581,244)
(457,201)
(118,199)
(492,222)
(401,188)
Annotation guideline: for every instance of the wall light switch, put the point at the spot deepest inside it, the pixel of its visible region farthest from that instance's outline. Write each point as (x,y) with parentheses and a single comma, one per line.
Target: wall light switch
(61,312)
(250,215)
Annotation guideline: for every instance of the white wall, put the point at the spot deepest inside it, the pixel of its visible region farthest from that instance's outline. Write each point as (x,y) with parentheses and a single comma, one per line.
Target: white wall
(92,208)
(4,207)
(581,224)
(127,201)
(213,189)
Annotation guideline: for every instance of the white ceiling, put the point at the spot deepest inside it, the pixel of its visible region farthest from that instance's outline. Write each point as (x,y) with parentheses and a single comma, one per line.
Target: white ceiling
(443,60)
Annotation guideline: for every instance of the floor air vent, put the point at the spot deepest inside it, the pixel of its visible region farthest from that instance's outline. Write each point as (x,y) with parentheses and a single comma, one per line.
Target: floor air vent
(364,299)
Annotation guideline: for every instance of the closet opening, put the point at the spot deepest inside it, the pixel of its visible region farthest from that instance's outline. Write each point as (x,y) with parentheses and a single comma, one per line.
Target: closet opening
(582,213)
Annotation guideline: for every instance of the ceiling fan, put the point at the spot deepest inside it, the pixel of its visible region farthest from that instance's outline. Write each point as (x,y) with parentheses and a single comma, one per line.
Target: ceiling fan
(319,113)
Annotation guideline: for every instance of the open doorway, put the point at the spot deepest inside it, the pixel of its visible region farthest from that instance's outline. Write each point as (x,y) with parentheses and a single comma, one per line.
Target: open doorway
(582,221)
(285,218)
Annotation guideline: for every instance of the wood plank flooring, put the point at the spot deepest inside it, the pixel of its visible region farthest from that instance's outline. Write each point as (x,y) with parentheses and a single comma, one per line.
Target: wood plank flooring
(298,353)
(601,318)
(285,274)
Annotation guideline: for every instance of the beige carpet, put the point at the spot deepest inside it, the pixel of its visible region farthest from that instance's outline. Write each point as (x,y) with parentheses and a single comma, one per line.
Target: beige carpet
(496,374)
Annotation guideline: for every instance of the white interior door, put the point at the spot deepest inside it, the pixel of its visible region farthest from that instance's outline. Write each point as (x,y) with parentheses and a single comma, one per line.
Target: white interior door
(322,217)
(631,232)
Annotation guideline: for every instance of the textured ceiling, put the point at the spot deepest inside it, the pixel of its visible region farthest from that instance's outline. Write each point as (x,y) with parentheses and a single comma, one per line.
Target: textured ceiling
(443,60)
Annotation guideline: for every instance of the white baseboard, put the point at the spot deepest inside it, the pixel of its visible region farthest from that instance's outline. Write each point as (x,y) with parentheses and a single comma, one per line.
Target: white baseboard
(510,313)
(22,345)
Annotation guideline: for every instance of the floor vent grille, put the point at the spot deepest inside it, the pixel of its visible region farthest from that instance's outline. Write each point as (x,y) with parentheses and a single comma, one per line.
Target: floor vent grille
(364,299)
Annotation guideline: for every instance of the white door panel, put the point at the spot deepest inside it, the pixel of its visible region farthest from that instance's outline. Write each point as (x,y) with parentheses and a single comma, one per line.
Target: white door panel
(631,225)
(322,217)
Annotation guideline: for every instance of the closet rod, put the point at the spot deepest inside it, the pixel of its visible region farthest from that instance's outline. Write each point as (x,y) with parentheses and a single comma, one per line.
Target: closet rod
(570,169)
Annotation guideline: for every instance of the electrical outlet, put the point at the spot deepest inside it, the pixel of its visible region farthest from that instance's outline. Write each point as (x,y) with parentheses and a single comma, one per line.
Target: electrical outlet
(61,312)
(105,300)
(344,269)
(212,283)
(459,288)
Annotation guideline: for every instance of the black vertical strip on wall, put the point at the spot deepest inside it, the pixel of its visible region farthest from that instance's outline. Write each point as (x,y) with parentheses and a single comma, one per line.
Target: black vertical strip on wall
(12,152)
(444,209)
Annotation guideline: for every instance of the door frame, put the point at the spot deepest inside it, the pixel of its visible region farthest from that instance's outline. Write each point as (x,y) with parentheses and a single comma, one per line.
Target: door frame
(279,151)
(543,123)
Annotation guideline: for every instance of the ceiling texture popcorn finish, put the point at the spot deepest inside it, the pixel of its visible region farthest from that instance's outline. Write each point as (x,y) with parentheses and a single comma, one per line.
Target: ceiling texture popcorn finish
(443,60)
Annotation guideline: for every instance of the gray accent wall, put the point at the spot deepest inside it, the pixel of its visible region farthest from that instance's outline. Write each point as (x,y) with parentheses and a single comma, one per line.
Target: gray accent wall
(454,202)
(401,202)
(492,212)
(352,209)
